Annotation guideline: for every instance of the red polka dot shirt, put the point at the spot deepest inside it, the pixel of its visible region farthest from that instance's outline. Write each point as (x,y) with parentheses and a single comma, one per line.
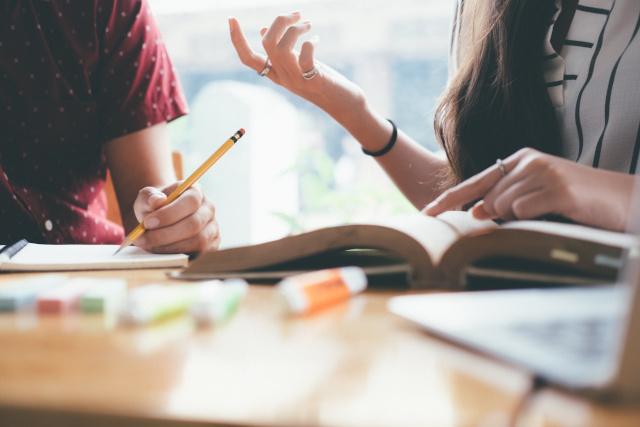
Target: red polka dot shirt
(74,74)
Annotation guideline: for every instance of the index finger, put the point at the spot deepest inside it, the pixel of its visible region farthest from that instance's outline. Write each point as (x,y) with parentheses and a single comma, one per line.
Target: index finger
(149,198)
(466,192)
(247,55)
(169,214)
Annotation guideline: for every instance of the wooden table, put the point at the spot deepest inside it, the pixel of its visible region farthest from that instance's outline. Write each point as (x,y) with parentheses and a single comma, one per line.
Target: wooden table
(352,365)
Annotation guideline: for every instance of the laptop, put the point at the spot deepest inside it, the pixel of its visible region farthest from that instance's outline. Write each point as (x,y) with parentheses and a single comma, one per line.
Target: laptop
(586,340)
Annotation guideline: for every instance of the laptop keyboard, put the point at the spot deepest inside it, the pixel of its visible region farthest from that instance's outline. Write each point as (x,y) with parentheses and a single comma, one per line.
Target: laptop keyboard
(580,340)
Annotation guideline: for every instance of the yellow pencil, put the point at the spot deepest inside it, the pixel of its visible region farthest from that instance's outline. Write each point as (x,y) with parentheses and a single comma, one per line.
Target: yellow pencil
(186,184)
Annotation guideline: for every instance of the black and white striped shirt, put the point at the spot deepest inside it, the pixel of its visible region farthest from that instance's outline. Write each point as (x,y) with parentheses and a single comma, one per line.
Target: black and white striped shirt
(594,83)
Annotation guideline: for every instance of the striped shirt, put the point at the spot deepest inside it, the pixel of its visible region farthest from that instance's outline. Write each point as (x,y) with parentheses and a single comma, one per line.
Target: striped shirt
(594,83)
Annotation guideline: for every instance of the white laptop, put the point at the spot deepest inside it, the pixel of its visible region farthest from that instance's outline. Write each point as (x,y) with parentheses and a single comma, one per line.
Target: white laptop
(583,339)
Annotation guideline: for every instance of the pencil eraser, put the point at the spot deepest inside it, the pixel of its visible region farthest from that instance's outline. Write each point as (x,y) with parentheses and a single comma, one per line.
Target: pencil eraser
(241,132)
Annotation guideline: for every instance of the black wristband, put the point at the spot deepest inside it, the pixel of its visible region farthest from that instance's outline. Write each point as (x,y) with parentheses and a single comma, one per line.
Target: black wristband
(384,150)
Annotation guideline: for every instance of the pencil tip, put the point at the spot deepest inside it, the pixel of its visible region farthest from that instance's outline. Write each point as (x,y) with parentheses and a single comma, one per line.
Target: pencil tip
(122,246)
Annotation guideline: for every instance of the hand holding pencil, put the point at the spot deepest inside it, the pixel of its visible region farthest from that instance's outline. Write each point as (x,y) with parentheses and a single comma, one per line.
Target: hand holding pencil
(178,218)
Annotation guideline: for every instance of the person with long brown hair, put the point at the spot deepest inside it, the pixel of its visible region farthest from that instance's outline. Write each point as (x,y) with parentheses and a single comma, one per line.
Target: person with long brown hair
(540,117)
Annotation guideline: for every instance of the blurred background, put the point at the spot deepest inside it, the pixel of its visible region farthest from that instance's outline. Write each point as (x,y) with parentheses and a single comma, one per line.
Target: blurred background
(296,168)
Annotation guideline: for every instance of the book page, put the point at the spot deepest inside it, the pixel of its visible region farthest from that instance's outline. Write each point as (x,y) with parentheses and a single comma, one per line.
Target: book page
(437,234)
(36,257)
(465,223)
(575,231)
(417,241)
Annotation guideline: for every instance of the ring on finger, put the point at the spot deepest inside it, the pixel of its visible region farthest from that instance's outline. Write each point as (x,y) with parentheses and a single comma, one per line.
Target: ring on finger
(267,68)
(309,75)
(501,167)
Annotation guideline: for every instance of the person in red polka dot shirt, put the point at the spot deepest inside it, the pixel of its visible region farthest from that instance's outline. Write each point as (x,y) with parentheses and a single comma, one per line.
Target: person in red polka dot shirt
(87,86)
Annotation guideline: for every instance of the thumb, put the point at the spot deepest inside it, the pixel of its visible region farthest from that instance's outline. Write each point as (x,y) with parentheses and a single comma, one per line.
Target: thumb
(149,199)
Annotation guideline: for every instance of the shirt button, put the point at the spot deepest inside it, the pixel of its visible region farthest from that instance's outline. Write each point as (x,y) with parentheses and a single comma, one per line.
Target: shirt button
(48,225)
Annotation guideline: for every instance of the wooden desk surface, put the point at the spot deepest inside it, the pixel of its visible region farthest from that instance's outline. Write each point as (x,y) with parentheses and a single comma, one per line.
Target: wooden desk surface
(352,365)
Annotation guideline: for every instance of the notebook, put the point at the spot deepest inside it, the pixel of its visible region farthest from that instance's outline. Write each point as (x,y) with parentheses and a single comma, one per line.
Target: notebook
(37,257)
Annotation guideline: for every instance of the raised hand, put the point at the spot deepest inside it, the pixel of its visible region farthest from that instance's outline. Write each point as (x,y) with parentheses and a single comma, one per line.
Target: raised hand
(299,72)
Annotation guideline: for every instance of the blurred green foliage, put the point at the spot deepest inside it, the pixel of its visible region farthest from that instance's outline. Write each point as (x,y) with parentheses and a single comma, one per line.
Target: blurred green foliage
(322,201)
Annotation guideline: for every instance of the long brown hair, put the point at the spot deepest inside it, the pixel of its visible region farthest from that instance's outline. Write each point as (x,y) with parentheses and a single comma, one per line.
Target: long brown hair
(497,101)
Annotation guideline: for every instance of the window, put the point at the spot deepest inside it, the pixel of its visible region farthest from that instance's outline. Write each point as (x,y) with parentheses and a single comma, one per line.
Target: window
(297,168)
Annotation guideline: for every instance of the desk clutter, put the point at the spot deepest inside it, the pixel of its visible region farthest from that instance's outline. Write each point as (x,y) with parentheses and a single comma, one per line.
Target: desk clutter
(207,303)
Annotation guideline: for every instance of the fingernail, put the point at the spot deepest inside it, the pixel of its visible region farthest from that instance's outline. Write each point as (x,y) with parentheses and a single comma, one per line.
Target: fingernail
(151,222)
(480,214)
(296,13)
(432,205)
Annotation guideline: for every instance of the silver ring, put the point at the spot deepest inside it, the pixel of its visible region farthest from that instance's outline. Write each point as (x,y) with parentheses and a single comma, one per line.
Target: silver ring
(501,167)
(267,68)
(310,74)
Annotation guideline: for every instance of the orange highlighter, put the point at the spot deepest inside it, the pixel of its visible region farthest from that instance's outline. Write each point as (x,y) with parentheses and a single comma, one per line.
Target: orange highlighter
(309,292)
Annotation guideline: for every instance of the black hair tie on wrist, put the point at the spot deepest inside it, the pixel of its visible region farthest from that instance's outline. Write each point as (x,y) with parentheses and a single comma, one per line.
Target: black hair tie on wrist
(384,150)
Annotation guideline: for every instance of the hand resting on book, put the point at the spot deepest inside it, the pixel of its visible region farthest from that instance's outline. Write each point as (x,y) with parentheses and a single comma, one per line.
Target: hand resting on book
(538,184)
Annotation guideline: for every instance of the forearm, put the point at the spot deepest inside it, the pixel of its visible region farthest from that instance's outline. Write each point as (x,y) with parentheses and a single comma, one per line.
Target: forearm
(139,160)
(417,172)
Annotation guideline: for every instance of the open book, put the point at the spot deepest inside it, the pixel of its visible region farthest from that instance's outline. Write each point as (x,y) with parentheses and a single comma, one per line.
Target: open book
(35,257)
(444,252)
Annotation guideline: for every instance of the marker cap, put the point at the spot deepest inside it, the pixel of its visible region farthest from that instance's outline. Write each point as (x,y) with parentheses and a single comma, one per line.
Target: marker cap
(310,290)
(355,279)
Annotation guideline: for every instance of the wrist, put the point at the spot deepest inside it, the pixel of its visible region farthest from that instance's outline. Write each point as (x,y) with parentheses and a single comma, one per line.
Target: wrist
(356,115)
(388,147)
(368,127)
(604,200)
(374,131)
(625,204)
(346,110)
